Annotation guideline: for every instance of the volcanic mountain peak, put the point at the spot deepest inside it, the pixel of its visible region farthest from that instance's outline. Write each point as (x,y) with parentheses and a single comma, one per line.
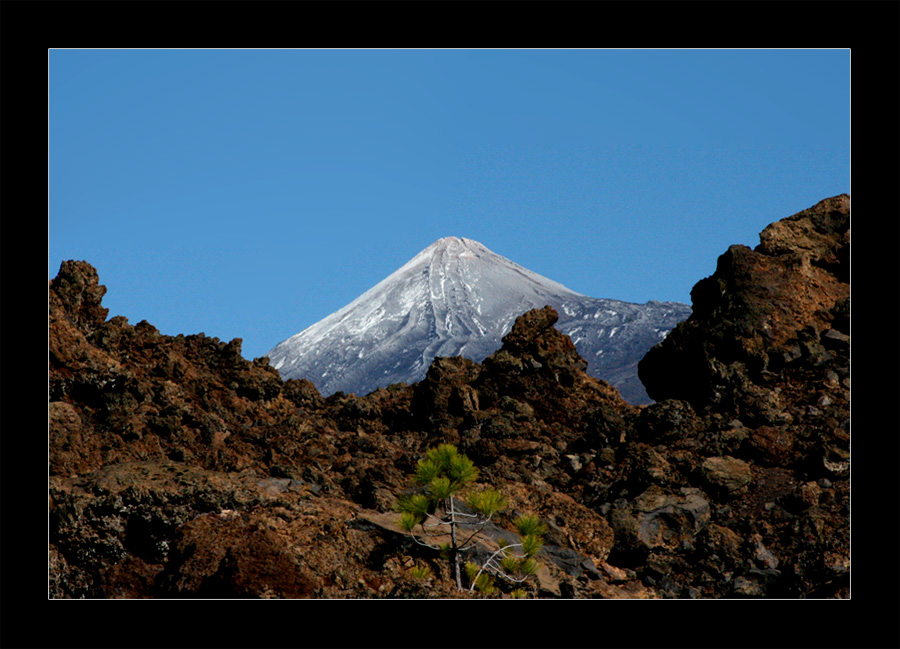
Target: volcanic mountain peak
(459,298)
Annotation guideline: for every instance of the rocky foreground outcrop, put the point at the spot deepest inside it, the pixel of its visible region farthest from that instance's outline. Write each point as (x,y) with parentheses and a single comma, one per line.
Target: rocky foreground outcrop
(179,469)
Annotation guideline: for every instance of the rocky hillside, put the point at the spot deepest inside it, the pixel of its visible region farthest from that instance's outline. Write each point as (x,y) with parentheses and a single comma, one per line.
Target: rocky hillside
(179,469)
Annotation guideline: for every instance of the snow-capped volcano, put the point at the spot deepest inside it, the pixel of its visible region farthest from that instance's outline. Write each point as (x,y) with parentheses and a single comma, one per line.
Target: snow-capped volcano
(458,298)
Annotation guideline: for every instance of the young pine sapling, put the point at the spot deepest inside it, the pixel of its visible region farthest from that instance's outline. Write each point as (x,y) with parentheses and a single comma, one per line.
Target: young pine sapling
(438,511)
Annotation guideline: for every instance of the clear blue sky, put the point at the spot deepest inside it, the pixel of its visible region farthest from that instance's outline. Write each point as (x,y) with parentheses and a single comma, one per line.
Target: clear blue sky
(250,193)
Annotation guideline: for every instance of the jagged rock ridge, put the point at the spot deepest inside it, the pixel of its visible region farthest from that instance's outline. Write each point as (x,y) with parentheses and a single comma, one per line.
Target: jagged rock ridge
(458,298)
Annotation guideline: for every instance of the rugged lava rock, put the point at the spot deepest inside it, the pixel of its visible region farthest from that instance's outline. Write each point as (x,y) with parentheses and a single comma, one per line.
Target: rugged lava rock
(760,310)
(179,469)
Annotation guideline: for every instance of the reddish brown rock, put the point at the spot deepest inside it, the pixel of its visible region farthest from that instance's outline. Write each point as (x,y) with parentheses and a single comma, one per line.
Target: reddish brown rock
(755,303)
(726,475)
(77,285)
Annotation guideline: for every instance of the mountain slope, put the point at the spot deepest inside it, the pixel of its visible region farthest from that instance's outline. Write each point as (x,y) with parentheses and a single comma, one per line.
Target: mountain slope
(458,298)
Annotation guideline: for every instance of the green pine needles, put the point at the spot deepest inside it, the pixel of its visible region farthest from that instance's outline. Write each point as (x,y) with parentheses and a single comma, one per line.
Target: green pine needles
(514,562)
(437,512)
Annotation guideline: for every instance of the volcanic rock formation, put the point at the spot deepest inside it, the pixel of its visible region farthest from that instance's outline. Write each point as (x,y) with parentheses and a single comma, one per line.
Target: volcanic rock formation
(180,469)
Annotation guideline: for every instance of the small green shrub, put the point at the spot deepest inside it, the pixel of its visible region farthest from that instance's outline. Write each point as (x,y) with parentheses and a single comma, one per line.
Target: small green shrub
(420,571)
(487,502)
(530,525)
